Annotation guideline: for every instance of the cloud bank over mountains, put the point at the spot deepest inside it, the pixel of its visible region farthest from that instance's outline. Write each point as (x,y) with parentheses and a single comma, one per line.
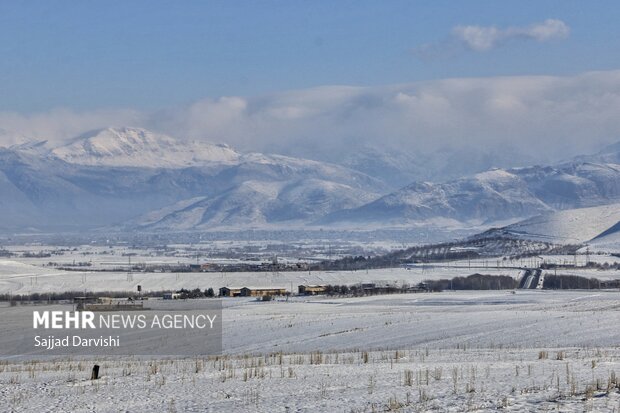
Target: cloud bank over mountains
(553,116)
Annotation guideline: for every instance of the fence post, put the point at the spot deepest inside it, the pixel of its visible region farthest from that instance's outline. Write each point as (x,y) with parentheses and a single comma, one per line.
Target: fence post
(95,373)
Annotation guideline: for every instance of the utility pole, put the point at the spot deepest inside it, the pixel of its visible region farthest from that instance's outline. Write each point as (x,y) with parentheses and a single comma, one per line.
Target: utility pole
(129,274)
(575,259)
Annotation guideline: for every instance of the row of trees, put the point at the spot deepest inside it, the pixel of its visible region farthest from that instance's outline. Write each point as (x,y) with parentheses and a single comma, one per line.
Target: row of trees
(474,282)
(571,282)
(196,293)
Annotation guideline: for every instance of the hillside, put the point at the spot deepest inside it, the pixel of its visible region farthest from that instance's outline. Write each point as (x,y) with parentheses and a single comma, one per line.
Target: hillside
(568,227)
(494,196)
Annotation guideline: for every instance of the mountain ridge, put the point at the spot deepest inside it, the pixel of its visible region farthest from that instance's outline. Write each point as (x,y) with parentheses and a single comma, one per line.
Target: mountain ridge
(139,147)
(134,179)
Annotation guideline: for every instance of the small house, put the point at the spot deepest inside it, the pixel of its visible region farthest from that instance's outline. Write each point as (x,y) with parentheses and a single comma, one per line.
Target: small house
(311,289)
(261,292)
(230,292)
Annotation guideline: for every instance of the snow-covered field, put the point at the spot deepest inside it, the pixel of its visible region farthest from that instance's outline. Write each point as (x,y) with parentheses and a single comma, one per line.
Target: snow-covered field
(571,380)
(20,277)
(464,351)
(484,319)
(529,351)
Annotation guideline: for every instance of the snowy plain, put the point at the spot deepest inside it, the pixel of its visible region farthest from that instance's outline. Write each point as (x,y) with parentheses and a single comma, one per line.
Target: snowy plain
(521,351)
(26,276)
(445,352)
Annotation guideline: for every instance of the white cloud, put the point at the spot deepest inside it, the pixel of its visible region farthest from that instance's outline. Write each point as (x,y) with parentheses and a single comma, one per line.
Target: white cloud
(540,115)
(61,124)
(549,29)
(483,38)
(478,38)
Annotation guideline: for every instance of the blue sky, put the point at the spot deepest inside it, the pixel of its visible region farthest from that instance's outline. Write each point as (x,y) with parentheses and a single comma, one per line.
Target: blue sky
(154,54)
(542,77)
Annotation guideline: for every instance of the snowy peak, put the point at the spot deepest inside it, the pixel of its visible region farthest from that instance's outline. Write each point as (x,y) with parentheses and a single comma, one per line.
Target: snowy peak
(14,140)
(135,147)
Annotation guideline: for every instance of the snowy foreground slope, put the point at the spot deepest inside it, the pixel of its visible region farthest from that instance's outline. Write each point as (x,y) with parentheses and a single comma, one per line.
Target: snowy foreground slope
(446,352)
(495,380)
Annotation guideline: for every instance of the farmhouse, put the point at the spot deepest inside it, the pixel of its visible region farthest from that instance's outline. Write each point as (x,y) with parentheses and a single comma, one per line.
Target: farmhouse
(230,292)
(311,289)
(260,292)
(251,292)
(368,286)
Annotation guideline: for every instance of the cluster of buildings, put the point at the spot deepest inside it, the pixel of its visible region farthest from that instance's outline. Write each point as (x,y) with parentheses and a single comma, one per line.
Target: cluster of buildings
(361,289)
(251,292)
(260,292)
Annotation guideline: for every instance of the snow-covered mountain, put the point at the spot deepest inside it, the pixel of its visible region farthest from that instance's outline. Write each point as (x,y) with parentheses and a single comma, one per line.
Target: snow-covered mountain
(484,198)
(10,138)
(397,167)
(257,203)
(575,184)
(131,178)
(493,196)
(135,147)
(116,175)
(609,154)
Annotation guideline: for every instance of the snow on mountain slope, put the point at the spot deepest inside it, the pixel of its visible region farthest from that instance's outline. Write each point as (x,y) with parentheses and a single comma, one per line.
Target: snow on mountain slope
(257,203)
(113,176)
(116,175)
(10,138)
(15,206)
(399,165)
(608,240)
(573,185)
(314,198)
(609,154)
(494,196)
(136,147)
(486,197)
(395,167)
(608,243)
(568,226)
(158,215)
(257,166)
